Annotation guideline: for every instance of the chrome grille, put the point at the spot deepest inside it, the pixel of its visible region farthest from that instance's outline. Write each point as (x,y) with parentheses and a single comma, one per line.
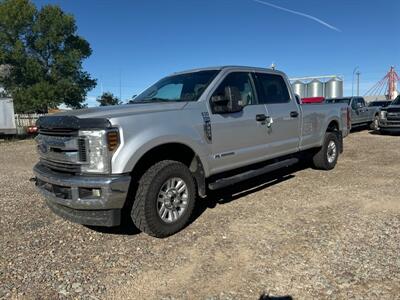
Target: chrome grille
(393,116)
(62,150)
(63,167)
(82,148)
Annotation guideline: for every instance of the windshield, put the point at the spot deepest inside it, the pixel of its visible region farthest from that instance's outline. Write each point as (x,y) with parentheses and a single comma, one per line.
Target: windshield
(182,87)
(396,101)
(338,100)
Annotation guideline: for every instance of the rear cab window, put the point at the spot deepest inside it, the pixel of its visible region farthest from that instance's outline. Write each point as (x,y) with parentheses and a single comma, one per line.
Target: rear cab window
(272,89)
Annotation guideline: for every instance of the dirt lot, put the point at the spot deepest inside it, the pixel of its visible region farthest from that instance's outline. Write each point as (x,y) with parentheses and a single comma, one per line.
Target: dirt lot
(303,233)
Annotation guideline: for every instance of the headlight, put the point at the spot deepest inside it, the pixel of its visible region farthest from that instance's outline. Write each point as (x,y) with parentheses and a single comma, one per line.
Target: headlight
(383,114)
(100,145)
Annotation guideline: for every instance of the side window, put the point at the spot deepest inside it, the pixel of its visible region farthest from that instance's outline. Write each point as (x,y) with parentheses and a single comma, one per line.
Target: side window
(272,89)
(354,103)
(241,82)
(359,103)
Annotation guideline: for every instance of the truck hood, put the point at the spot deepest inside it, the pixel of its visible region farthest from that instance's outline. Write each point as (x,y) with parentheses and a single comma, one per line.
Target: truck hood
(123,110)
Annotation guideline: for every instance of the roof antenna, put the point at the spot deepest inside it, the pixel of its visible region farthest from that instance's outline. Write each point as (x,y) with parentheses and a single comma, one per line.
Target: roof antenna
(273,66)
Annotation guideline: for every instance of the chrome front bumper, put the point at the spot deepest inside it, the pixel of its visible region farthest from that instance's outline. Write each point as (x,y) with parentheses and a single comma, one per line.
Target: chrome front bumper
(71,197)
(389,125)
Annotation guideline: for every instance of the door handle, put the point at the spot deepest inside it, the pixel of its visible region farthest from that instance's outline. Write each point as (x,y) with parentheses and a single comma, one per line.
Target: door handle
(261,118)
(294,114)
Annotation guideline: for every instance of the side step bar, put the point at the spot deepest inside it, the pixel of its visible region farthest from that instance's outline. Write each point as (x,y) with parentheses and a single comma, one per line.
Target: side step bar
(224,182)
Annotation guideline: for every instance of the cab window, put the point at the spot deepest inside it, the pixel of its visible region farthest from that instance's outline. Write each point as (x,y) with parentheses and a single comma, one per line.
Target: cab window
(241,83)
(272,89)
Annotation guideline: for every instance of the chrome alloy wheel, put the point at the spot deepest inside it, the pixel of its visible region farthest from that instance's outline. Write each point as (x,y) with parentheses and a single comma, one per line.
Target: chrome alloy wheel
(376,123)
(332,152)
(172,200)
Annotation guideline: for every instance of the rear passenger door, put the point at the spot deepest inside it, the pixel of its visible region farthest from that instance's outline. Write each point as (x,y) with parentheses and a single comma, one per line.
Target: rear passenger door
(360,111)
(355,112)
(283,134)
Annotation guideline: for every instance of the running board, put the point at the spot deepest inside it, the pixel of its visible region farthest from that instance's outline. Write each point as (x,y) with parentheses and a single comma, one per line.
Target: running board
(224,182)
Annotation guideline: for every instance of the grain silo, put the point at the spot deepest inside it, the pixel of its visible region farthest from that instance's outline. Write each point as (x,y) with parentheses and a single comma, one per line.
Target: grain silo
(334,88)
(315,88)
(299,88)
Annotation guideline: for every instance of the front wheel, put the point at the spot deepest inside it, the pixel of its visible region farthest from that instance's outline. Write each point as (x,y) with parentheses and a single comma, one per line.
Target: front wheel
(375,123)
(164,199)
(327,156)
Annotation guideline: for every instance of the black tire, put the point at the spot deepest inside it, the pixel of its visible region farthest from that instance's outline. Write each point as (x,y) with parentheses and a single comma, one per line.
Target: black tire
(320,159)
(144,212)
(374,125)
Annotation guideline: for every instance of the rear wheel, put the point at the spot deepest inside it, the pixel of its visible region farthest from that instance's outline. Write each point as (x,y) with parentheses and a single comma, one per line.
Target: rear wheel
(327,156)
(164,199)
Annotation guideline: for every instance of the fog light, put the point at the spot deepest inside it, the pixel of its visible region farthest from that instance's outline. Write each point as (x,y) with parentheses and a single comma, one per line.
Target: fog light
(88,193)
(96,192)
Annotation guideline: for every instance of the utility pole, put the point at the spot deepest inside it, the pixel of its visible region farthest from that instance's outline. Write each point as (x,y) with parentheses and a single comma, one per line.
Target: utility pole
(352,82)
(358,83)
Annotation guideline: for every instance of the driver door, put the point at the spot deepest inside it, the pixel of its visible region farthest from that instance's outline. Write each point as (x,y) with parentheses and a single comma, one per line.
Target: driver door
(238,138)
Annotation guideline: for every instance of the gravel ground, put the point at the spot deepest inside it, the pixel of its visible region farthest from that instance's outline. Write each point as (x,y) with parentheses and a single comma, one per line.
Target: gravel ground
(302,233)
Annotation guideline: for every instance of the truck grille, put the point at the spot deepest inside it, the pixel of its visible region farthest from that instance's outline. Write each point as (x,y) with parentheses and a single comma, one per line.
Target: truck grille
(393,116)
(62,150)
(62,167)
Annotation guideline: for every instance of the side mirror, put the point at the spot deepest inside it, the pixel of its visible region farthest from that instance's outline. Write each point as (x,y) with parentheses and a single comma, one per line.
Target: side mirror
(359,105)
(230,102)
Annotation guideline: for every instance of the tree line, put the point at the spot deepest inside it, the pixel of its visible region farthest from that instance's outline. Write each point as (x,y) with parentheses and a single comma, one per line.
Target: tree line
(41,56)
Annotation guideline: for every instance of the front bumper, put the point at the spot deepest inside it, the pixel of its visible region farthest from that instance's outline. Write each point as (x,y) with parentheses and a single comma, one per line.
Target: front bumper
(389,126)
(71,196)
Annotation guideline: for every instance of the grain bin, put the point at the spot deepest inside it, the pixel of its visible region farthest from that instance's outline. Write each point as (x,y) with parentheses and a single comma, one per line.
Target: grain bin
(299,88)
(334,88)
(315,88)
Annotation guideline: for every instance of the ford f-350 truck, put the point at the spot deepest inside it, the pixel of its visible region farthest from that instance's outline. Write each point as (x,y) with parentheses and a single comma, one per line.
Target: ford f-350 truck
(189,133)
(361,113)
(389,121)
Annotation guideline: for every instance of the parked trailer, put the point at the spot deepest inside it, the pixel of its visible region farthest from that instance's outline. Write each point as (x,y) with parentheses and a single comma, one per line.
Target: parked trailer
(16,124)
(7,121)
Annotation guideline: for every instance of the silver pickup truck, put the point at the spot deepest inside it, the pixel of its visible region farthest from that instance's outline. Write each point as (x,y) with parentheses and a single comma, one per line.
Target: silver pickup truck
(189,133)
(361,113)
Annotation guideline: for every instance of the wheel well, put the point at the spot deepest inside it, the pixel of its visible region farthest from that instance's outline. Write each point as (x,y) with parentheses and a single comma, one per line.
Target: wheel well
(333,126)
(172,151)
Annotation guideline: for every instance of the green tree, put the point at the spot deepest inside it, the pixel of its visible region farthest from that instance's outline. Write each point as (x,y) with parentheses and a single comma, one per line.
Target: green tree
(44,55)
(108,99)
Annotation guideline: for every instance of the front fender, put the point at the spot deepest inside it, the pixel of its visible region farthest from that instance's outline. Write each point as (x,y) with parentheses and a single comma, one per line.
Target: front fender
(138,145)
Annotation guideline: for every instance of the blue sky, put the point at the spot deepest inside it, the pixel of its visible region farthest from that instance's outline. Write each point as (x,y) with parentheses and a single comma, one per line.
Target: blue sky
(135,42)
